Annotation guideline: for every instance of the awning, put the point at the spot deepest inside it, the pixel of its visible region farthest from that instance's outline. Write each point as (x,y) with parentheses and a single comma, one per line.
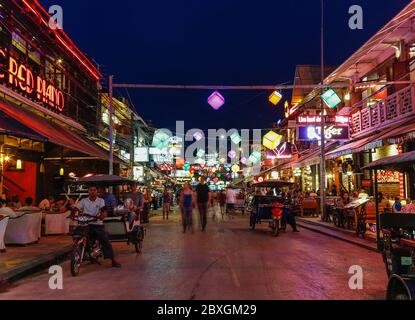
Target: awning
(54,133)
(400,134)
(313,157)
(403,161)
(12,127)
(368,143)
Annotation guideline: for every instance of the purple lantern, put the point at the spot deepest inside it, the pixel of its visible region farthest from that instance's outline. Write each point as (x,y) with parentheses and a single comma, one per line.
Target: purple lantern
(244,160)
(232,154)
(216,100)
(198,136)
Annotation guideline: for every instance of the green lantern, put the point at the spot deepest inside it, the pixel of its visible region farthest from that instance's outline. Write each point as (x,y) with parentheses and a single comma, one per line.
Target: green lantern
(331,99)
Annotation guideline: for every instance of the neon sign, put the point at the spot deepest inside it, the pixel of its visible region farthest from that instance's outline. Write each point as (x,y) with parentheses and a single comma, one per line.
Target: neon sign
(307,119)
(23,78)
(333,132)
(281,152)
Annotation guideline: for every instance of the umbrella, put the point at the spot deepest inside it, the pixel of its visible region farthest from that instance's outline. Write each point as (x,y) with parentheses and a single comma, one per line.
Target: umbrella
(104,180)
(272,184)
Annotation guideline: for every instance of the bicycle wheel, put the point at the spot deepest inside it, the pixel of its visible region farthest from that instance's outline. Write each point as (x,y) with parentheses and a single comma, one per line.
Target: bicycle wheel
(76,260)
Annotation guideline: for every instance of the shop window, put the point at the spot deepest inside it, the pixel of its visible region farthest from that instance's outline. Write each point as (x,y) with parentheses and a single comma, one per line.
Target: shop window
(50,71)
(18,42)
(34,55)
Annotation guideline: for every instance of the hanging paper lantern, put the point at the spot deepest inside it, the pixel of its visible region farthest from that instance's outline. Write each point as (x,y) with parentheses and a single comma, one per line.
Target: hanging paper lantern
(255,157)
(244,160)
(236,138)
(223,160)
(331,99)
(198,136)
(272,140)
(216,100)
(186,167)
(235,168)
(161,139)
(232,154)
(200,153)
(275,97)
(216,180)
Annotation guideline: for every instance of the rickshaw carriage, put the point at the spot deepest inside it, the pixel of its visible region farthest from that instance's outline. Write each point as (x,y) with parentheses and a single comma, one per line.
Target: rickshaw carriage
(269,208)
(395,233)
(118,226)
(398,246)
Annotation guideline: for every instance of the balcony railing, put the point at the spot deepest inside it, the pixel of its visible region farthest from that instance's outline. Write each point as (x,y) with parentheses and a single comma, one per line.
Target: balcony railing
(384,113)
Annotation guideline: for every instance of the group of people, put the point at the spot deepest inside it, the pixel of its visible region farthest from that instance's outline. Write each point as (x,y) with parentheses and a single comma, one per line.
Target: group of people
(15,208)
(202,199)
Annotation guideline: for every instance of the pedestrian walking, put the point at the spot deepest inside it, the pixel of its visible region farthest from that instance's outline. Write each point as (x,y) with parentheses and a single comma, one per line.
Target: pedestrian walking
(187,204)
(231,201)
(166,204)
(203,199)
(222,203)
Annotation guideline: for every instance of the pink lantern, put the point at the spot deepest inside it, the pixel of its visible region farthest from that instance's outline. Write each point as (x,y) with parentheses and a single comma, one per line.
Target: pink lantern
(198,136)
(216,100)
(232,154)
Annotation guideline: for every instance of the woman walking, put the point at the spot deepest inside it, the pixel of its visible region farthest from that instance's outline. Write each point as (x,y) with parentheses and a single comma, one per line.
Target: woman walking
(187,204)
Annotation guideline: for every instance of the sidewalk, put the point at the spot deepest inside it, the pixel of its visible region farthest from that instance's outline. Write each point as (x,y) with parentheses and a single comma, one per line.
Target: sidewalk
(21,261)
(329,229)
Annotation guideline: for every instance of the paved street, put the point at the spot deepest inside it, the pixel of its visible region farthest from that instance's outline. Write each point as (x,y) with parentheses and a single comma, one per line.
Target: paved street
(228,262)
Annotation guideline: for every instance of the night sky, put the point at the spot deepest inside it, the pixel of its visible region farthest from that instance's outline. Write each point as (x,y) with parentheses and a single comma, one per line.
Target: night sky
(216,42)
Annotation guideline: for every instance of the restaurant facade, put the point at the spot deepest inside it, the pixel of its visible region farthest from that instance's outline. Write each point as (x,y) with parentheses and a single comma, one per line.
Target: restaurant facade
(377,109)
(49,105)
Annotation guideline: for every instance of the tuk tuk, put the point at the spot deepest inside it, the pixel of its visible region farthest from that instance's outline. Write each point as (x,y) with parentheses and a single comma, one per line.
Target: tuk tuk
(117,226)
(269,208)
(395,233)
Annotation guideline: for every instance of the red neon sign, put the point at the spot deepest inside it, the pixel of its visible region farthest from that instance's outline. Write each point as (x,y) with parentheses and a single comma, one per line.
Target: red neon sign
(22,78)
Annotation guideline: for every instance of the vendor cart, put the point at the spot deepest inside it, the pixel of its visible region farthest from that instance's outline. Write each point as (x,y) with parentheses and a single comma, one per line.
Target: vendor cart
(396,234)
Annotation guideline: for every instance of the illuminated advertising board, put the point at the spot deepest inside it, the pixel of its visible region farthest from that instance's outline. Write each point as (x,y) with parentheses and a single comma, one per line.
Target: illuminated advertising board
(283,151)
(332,132)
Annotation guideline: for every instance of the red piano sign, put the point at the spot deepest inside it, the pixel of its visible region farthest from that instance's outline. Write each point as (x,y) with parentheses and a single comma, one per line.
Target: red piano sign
(23,79)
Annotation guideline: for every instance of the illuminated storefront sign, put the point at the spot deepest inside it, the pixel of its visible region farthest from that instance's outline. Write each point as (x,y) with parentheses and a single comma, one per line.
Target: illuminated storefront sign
(23,78)
(138,172)
(334,132)
(317,119)
(281,152)
(141,154)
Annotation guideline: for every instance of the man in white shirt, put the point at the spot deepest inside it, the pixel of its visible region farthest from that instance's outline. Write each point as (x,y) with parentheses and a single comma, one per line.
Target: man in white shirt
(95,207)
